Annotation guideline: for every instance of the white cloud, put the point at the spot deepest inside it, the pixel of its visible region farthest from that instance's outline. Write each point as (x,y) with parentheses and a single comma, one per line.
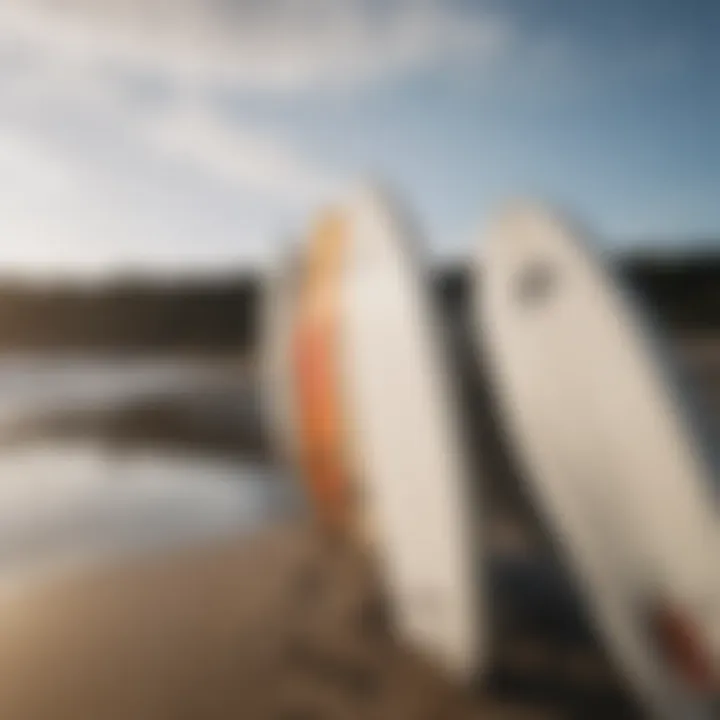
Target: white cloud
(198,138)
(60,214)
(58,52)
(49,208)
(261,45)
(190,135)
(190,181)
(32,163)
(47,82)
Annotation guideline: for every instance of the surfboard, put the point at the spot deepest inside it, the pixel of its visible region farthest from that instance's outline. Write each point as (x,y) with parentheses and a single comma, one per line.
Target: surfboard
(406,435)
(382,455)
(607,453)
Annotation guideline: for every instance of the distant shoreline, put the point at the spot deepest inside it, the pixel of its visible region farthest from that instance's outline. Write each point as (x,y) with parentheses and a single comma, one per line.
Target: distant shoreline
(209,315)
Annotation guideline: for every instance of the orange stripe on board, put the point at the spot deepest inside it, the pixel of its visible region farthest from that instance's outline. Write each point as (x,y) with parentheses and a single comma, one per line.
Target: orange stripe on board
(317,376)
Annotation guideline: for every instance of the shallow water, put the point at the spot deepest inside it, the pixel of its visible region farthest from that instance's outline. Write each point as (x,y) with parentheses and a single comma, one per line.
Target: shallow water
(32,384)
(82,497)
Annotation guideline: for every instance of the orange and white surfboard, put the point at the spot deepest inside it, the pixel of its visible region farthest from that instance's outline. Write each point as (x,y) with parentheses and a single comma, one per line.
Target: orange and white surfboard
(378,436)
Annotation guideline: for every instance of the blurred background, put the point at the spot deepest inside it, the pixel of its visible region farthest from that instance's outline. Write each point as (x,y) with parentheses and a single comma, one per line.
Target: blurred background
(156,154)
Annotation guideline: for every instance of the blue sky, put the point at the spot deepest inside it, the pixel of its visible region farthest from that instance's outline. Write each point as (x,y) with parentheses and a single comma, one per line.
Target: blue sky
(159,134)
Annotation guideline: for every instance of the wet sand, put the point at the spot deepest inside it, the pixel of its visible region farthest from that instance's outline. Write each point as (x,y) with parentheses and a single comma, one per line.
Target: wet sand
(283,626)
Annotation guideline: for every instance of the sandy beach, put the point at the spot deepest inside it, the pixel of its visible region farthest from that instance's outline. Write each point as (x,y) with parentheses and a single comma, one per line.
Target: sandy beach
(281,625)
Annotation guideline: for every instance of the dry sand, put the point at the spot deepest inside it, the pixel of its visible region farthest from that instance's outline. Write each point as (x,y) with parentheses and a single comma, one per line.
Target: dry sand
(283,626)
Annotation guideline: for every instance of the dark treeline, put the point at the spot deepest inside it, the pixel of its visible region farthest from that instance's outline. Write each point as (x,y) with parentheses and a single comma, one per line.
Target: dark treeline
(202,315)
(684,293)
(221,314)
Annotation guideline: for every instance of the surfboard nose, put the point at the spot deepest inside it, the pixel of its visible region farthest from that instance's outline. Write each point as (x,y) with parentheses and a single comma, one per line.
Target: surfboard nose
(526,267)
(521,225)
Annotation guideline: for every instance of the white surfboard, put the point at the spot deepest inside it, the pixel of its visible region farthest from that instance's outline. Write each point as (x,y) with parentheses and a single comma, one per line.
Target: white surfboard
(406,435)
(376,430)
(607,454)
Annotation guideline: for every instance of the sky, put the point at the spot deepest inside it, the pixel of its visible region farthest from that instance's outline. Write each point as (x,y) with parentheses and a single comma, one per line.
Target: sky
(159,135)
